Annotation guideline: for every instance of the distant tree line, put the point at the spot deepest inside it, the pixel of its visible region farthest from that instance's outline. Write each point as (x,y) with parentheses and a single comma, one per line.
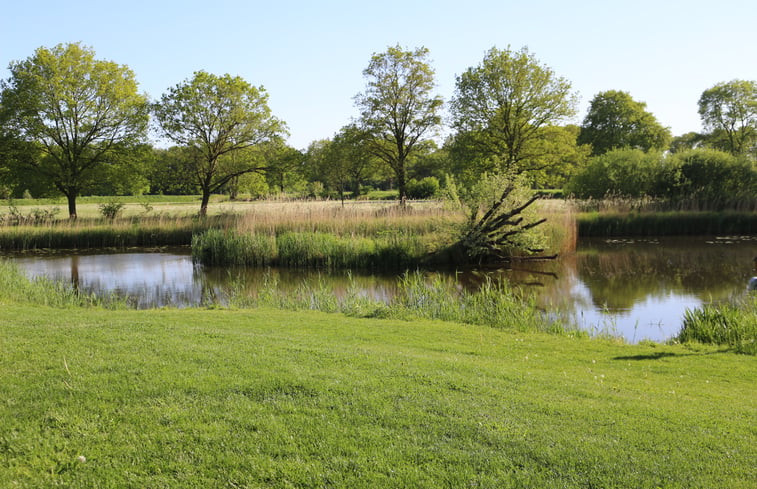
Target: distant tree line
(72,125)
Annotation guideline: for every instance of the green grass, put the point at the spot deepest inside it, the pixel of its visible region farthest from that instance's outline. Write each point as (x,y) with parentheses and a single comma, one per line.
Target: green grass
(268,398)
(733,324)
(678,223)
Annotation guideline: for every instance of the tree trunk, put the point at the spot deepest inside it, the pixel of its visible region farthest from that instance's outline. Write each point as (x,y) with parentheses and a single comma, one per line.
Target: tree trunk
(204,203)
(71,196)
(402,184)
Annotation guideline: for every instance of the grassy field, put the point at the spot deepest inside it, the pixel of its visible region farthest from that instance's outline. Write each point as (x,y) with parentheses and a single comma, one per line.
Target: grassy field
(211,398)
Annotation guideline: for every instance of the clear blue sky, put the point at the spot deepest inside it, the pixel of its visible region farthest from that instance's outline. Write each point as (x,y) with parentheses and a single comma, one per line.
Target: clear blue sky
(309,55)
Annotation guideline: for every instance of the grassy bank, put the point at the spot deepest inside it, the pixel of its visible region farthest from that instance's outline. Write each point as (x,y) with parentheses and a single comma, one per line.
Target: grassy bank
(679,223)
(267,398)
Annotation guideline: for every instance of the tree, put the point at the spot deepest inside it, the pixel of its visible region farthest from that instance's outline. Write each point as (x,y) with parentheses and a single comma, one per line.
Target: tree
(501,107)
(217,116)
(731,109)
(687,141)
(615,120)
(397,109)
(172,171)
(284,167)
(76,113)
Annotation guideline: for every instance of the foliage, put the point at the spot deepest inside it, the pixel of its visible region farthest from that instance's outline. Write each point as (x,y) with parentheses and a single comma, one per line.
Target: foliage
(627,172)
(172,172)
(425,188)
(685,142)
(715,177)
(615,121)
(502,108)
(730,108)
(111,210)
(76,115)
(284,166)
(397,109)
(694,179)
(218,117)
(733,324)
(501,220)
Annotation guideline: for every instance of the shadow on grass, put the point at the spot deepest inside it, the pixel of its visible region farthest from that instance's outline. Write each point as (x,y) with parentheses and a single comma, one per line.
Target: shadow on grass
(651,356)
(664,354)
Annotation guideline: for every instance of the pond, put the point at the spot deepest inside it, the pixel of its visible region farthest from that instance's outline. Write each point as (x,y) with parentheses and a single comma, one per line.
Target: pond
(634,288)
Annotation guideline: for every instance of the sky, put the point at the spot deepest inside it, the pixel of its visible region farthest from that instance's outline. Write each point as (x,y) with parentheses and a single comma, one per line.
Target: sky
(310,55)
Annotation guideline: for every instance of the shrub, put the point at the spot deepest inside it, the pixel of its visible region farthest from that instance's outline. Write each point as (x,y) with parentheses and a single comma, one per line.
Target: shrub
(627,172)
(111,210)
(422,189)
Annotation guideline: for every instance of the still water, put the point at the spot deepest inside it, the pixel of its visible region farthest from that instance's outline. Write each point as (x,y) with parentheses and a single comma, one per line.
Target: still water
(637,289)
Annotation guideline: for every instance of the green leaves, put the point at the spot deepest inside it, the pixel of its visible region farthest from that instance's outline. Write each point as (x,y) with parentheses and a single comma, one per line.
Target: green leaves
(81,112)
(218,116)
(731,109)
(501,105)
(615,120)
(397,109)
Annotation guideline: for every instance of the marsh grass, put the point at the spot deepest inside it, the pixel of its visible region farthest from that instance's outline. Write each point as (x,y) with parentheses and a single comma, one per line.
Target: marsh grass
(666,223)
(733,324)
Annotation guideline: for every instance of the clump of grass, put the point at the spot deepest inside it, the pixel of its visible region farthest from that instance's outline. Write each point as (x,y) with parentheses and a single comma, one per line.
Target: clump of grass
(215,247)
(733,324)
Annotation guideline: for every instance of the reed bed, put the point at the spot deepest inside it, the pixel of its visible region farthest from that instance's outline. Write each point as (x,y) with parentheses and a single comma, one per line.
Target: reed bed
(666,223)
(306,249)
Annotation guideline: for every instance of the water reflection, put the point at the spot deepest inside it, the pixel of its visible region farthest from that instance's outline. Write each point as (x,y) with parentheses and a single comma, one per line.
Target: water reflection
(636,289)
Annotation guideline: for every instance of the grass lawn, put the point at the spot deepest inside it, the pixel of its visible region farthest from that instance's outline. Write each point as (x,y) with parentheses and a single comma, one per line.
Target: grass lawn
(268,398)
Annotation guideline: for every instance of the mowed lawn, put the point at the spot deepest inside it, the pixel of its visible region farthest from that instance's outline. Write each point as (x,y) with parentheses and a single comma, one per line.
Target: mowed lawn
(267,398)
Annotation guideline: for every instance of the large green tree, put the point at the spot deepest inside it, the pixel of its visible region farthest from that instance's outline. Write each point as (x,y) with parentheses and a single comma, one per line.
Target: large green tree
(729,111)
(615,120)
(217,116)
(397,108)
(502,106)
(76,113)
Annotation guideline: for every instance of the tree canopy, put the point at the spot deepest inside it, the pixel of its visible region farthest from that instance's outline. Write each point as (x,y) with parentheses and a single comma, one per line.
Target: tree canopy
(615,120)
(729,111)
(217,116)
(75,114)
(397,108)
(501,107)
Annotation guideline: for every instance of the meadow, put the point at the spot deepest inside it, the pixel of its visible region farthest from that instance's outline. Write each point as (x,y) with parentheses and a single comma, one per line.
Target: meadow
(96,395)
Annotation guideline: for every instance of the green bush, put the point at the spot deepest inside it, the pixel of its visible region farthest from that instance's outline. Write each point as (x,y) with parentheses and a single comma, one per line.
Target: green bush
(111,210)
(422,189)
(627,172)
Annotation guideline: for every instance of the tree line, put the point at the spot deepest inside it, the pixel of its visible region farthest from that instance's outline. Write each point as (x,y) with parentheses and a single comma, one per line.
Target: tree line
(71,124)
